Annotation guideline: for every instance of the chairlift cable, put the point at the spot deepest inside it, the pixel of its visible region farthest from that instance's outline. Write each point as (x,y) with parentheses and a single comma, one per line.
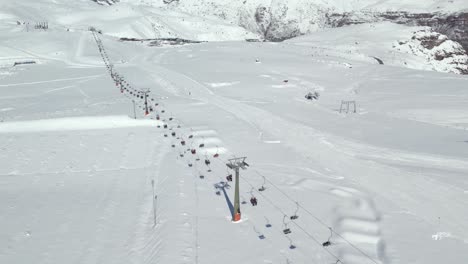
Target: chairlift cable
(321,221)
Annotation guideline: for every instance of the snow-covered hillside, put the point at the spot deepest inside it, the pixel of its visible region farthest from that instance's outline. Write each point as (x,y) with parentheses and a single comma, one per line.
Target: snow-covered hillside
(391,44)
(87,177)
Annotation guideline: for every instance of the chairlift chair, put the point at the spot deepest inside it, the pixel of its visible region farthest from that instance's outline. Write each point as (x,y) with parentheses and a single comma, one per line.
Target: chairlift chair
(194,151)
(253,201)
(295,216)
(261,189)
(328,242)
(286,229)
(229,178)
(182,142)
(207,162)
(217,153)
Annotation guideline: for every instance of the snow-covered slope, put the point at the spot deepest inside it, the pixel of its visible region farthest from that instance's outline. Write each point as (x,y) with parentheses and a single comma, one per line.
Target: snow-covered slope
(82,182)
(391,44)
(120,20)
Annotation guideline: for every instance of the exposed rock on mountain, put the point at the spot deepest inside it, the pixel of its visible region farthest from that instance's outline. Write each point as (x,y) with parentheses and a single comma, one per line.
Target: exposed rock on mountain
(455,26)
(106,2)
(443,54)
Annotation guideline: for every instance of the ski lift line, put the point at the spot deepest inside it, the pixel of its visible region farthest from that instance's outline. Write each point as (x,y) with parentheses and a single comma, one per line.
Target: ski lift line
(320,221)
(107,62)
(296,224)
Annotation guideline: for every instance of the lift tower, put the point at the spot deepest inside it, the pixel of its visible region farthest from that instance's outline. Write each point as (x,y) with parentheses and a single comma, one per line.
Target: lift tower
(235,164)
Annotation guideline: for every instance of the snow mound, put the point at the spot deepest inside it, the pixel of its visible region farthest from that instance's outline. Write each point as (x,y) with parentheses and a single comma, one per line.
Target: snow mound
(74,123)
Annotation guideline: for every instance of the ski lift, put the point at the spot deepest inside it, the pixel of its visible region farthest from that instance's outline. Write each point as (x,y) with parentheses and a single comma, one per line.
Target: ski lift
(194,151)
(291,245)
(260,235)
(218,193)
(286,229)
(261,189)
(207,162)
(217,153)
(253,201)
(268,225)
(295,216)
(229,178)
(328,242)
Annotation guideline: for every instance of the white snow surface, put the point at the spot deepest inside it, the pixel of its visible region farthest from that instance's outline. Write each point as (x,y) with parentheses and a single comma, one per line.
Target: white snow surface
(77,172)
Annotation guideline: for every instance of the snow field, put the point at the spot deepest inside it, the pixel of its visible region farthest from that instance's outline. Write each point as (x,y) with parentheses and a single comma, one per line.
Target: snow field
(382,178)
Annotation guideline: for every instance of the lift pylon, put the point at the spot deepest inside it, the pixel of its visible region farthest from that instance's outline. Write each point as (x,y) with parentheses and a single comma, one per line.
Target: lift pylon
(235,164)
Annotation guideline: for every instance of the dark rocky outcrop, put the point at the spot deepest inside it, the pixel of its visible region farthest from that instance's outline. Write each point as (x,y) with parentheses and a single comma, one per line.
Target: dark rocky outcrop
(162,41)
(106,2)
